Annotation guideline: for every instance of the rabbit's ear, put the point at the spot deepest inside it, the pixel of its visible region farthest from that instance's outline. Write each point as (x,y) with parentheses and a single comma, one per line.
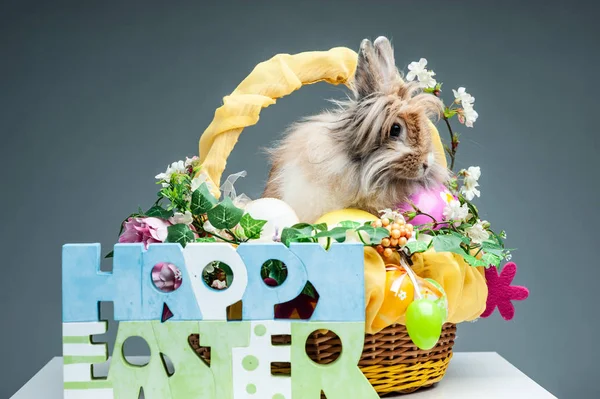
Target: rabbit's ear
(376,68)
(387,63)
(367,77)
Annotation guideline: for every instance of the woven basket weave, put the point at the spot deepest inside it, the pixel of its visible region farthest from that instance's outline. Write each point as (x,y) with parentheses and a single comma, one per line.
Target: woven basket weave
(390,360)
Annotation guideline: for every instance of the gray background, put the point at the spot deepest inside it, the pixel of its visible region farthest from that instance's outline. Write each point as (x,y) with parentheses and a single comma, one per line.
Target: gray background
(97,97)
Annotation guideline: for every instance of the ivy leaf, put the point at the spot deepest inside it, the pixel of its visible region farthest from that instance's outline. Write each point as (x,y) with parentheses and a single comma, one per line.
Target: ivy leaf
(274,269)
(320,227)
(158,211)
(448,243)
(350,224)
(473,261)
(252,227)
(202,200)
(464,239)
(180,233)
(376,234)
(337,233)
(206,239)
(491,259)
(306,228)
(290,234)
(417,246)
(225,215)
(310,290)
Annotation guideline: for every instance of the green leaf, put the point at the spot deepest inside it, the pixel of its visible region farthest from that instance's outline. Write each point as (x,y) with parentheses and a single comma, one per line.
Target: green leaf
(473,261)
(306,228)
(350,224)
(464,239)
(202,200)
(376,234)
(491,259)
(111,254)
(337,233)
(158,211)
(417,246)
(206,239)
(448,243)
(449,113)
(320,227)
(309,290)
(492,248)
(252,227)
(274,269)
(180,233)
(225,215)
(290,234)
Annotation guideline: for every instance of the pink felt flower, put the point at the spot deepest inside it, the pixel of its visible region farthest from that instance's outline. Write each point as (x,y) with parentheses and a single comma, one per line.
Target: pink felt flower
(146,230)
(501,293)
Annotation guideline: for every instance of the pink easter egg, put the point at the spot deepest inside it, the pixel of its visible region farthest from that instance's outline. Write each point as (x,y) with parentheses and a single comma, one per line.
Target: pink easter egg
(430,201)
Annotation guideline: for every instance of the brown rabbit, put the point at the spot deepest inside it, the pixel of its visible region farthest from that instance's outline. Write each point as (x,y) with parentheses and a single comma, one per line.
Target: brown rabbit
(370,153)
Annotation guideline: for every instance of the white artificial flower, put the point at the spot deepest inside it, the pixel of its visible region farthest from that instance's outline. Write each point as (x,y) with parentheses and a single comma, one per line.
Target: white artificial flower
(508,257)
(462,97)
(219,284)
(190,161)
(470,182)
(402,295)
(178,275)
(455,211)
(417,70)
(175,167)
(469,115)
(181,218)
(477,233)
(394,216)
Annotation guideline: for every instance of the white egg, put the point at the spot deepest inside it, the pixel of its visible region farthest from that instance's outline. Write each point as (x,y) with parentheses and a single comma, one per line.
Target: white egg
(277,213)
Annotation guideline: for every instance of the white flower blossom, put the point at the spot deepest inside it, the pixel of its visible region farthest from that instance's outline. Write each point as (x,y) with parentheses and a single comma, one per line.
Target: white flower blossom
(175,167)
(462,97)
(477,233)
(470,115)
(470,182)
(417,70)
(455,211)
(190,161)
(394,216)
(181,218)
(178,275)
(402,295)
(508,256)
(219,285)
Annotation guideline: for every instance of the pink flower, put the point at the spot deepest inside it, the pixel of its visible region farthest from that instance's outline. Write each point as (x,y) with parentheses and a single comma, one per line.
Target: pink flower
(147,230)
(166,277)
(501,293)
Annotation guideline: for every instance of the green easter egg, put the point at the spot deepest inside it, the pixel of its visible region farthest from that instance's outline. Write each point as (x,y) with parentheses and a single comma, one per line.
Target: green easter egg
(443,301)
(424,320)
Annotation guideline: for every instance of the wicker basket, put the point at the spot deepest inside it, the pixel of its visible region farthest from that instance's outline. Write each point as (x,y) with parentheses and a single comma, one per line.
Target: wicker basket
(390,360)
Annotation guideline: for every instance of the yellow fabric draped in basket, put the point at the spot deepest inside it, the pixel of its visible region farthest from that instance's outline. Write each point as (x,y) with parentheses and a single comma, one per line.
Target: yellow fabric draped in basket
(280,76)
(464,285)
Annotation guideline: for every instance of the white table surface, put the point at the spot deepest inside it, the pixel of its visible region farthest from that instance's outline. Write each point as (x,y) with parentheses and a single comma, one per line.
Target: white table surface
(476,375)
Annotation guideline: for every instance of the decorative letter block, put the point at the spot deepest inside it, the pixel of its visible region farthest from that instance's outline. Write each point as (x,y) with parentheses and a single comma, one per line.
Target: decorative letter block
(241,351)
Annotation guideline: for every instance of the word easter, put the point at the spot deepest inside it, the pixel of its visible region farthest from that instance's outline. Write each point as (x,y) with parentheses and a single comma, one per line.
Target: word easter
(241,352)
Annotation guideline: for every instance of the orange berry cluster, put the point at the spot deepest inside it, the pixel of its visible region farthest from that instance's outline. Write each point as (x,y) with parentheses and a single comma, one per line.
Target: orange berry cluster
(400,233)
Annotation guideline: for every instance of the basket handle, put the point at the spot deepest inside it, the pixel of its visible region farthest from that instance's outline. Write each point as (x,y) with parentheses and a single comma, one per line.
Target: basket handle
(270,80)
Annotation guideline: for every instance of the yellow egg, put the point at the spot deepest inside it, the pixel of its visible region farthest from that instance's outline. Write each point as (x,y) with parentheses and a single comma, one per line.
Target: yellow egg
(356,215)
(399,293)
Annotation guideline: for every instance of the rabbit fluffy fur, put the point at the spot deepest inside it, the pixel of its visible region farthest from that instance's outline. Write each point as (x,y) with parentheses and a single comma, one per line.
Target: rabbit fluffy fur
(370,153)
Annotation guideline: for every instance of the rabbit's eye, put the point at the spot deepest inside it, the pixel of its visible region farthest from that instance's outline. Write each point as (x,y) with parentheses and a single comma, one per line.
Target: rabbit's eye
(396,130)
